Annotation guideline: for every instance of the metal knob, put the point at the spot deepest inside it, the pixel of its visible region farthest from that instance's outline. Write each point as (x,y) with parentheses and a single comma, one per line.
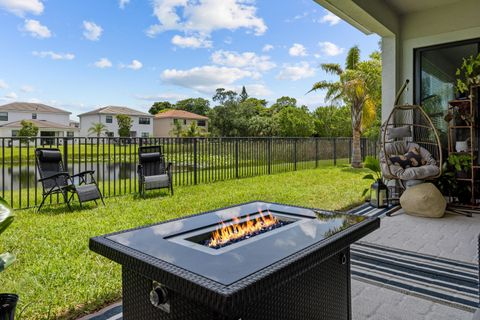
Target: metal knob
(158,296)
(343,258)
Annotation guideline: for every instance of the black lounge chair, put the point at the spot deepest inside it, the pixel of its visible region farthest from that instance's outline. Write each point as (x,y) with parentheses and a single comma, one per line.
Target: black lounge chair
(153,172)
(55,180)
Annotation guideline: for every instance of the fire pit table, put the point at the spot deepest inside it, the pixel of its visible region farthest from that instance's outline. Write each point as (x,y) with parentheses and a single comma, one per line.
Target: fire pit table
(253,261)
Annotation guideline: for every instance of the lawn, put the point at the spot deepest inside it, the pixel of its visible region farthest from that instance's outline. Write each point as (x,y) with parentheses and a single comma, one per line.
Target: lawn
(57,276)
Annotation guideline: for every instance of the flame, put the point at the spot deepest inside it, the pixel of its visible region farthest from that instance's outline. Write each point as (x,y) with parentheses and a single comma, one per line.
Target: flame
(237,229)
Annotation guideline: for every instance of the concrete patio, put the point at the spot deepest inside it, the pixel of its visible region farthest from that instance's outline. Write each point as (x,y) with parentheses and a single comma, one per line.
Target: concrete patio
(453,237)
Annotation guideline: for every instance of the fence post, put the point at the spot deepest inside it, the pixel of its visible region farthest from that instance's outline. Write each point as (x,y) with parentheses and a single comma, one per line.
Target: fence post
(65,154)
(334,151)
(363,148)
(270,155)
(236,158)
(316,152)
(194,160)
(350,150)
(295,153)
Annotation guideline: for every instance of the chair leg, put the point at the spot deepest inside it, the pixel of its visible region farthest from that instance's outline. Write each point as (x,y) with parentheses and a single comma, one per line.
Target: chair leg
(41,204)
(171,189)
(67,200)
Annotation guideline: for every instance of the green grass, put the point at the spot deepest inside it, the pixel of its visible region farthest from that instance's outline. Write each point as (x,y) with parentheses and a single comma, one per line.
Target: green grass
(57,276)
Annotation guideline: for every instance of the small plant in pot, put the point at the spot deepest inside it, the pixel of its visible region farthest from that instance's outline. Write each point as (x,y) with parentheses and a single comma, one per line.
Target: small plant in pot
(8,301)
(468,74)
(378,190)
(461,163)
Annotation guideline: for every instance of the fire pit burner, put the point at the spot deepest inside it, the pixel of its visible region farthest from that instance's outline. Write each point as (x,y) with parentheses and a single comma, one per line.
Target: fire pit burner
(253,261)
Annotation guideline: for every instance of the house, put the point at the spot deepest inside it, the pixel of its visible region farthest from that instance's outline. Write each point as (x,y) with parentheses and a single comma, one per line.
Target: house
(423,41)
(165,122)
(52,122)
(142,125)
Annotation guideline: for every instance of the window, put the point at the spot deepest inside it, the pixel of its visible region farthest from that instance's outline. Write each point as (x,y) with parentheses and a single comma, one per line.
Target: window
(143,120)
(176,121)
(3,116)
(15,133)
(184,122)
(108,119)
(34,116)
(201,123)
(70,134)
(110,134)
(145,134)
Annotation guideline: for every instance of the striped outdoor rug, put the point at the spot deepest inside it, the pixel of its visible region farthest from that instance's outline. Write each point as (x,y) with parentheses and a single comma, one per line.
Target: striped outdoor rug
(437,279)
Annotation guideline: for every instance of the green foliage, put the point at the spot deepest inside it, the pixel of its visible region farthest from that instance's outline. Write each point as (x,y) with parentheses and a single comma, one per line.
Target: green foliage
(124,125)
(160,106)
(194,130)
(283,102)
(97,129)
(294,122)
(223,96)
(460,162)
(468,74)
(177,130)
(372,164)
(244,95)
(332,122)
(6,219)
(29,129)
(195,105)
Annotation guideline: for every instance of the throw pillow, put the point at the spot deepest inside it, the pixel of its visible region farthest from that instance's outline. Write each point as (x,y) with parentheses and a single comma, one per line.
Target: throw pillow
(398,133)
(411,159)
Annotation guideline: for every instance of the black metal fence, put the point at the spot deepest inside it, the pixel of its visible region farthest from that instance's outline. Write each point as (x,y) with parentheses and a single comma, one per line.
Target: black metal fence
(195,160)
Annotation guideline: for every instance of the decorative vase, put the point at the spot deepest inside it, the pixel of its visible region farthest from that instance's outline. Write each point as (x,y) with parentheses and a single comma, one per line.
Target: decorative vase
(461,146)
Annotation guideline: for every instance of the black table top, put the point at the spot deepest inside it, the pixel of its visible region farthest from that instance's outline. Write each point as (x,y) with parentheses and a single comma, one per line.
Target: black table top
(231,264)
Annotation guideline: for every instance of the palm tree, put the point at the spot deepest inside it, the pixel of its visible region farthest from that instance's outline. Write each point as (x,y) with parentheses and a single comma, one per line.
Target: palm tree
(97,129)
(359,87)
(177,130)
(194,131)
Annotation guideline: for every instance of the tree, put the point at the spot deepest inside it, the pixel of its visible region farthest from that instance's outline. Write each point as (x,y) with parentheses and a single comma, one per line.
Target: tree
(223,96)
(283,102)
(294,122)
(160,106)
(177,130)
(124,125)
(196,105)
(194,130)
(243,95)
(332,121)
(29,130)
(357,86)
(97,129)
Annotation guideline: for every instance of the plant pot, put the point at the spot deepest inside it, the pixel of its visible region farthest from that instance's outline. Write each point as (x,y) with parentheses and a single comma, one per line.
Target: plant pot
(8,303)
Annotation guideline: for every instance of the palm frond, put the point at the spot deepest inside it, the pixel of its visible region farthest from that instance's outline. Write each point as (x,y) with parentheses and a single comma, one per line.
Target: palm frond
(321,85)
(332,68)
(353,58)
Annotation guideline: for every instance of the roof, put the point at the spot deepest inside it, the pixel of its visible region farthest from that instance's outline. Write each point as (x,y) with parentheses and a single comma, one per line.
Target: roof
(42,124)
(114,110)
(31,107)
(180,114)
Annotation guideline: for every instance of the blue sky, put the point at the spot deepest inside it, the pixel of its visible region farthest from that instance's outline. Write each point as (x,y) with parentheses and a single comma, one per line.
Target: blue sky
(83,54)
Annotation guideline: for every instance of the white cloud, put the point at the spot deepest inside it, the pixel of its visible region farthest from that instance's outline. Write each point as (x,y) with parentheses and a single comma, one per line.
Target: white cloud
(36,29)
(92,31)
(205,16)
(244,60)
(205,79)
(255,90)
(27,88)
(3,84)
(164,96)
(123,3)
(11,96)
(54,55)
(135,65)
(191,42)
(296,71)
(330,18)
(330,49)
(103,63)
(297,50)
(267,48)
(21,7)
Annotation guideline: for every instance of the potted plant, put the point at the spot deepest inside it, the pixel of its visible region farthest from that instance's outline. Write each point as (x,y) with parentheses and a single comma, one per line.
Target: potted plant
(468,74)
(378,190)
(8,301)
(461,163)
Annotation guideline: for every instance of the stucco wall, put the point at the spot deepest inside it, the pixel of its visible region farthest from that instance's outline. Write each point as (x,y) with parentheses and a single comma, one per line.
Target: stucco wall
(13,116)
(162,127)
(87,121)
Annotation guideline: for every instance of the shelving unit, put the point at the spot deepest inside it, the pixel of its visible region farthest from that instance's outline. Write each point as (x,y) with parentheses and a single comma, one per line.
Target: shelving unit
(468,130)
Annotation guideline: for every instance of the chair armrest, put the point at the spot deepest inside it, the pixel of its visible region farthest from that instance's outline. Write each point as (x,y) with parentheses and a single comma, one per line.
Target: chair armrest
(83,173)
(56,175)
